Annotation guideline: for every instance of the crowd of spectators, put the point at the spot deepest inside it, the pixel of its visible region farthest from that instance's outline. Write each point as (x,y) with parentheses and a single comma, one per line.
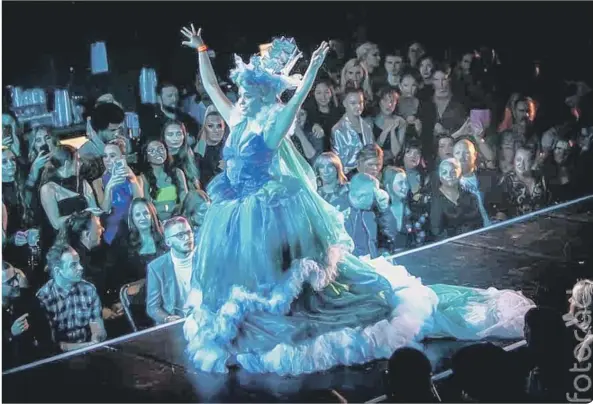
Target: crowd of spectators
(409,148)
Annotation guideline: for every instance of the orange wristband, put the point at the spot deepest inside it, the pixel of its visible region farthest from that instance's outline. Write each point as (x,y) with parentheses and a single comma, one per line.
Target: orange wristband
(202,48)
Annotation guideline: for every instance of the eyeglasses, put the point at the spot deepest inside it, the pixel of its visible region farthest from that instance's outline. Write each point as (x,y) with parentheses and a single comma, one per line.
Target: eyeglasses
(182,235)
(159,150)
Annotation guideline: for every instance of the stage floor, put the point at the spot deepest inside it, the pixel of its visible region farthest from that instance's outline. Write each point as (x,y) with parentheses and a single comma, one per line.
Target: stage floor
(542,257)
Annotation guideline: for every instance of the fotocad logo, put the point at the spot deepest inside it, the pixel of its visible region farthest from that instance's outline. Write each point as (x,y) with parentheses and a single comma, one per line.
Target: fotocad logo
(581,368)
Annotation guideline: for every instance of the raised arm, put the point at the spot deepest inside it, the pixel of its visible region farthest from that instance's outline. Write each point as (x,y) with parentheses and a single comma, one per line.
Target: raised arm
(286,117)
(220,100)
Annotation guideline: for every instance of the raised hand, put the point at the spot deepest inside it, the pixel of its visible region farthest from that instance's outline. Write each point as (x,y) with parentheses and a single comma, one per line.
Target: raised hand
(319,55)
(194,39)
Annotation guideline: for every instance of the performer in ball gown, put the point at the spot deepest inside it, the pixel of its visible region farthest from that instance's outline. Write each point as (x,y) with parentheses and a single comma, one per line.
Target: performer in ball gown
(275,288)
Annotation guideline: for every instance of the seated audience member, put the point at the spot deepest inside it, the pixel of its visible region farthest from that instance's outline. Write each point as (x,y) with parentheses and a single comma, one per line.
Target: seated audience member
(482,373)
(332,184)
(168,281)
(507,147)
(444,147)
(164,185)
(16,198)
(83,232)
(354,75)
(453,211)
(521,112)
(441,114)
(209,147)
(154,117)
(364,197)
(370,161)
(305,141)
(558,171)
(549,355)
(398,227)
(175,138)
(10,135)
(194,208)
(62,193)
(409,375)
(25,332)
(524,190)
(116,188)
(408,104)
(481,182)
(323,112)
(351,133)
(425,83)
(413,163)
(389,129)
(144,241)
(70,303)
(394,67)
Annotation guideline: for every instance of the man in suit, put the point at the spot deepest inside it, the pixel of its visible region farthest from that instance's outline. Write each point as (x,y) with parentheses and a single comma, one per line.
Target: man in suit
(168,281)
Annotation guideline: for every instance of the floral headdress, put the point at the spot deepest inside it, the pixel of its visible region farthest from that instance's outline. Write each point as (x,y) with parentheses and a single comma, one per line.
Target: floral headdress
(271,69)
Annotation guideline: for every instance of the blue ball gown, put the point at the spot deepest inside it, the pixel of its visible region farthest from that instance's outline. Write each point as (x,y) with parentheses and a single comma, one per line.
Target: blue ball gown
(276,289)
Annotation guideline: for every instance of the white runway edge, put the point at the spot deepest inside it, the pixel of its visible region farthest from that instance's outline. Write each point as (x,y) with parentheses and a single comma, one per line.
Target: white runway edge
(415,250)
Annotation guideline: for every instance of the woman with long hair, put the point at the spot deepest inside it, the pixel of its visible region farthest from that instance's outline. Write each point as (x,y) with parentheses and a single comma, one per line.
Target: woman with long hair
(63,192)
(174,136)
(16,198)
(332,184)
(355,75)
(143,241)
(116,188)
(164,185)
(209,147)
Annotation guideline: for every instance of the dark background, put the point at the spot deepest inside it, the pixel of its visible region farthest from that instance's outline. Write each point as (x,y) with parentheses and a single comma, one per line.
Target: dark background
(43,40)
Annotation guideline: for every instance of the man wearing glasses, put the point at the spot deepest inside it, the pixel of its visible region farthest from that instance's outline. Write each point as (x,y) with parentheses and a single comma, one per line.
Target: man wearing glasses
(26,335)
(169,276)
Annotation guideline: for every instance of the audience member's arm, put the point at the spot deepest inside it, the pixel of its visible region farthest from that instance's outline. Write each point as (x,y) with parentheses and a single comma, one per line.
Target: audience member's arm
(436,216)
(182,191)
(98,332)
(154,300)
(89,195)
(50,206)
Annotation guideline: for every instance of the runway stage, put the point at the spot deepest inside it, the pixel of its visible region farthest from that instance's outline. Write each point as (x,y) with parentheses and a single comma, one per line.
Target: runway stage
(542,256)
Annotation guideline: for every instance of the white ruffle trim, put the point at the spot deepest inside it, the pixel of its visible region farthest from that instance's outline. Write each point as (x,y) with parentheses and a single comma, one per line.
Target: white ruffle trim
(414,317)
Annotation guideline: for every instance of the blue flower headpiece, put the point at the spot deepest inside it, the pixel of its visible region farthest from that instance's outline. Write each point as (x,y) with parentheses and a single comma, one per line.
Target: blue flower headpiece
(270,70)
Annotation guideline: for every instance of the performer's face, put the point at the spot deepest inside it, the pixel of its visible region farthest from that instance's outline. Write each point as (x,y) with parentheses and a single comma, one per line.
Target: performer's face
(249,101)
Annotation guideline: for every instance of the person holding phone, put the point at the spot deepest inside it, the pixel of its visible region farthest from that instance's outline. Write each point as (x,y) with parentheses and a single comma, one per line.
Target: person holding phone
(116,188)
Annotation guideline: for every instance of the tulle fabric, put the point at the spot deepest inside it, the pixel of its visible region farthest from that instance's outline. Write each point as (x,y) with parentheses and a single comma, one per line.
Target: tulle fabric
(277,290)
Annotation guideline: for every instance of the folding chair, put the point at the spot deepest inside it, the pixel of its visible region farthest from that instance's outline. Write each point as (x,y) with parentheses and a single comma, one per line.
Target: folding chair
(134,294)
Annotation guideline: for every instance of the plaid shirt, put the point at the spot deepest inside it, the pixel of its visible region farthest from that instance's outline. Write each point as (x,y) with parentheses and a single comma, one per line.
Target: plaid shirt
(70,312)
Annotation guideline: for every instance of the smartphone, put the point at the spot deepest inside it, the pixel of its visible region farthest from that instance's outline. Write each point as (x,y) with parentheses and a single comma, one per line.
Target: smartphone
(480,117)
(119,165)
